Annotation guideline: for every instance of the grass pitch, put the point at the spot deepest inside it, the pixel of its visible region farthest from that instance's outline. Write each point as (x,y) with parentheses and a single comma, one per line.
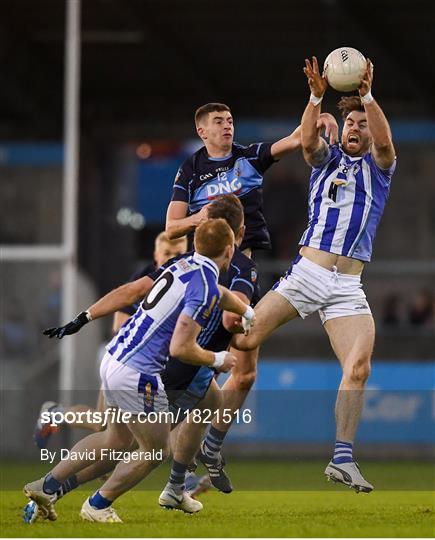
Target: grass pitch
(401,506)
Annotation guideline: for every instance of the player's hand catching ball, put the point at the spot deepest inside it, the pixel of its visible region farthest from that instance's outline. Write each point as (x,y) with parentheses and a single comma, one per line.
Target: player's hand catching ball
(317,83)
(71,328)
(367,80)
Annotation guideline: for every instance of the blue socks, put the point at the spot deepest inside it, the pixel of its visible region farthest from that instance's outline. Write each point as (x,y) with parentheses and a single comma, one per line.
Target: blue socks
(213,442)
(98,501)
(67,486)
(342,452)
(51,485)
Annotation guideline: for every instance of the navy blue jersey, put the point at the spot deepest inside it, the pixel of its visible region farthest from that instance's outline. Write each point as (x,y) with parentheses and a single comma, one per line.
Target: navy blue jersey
(201,179)
(145,271)
(240,277)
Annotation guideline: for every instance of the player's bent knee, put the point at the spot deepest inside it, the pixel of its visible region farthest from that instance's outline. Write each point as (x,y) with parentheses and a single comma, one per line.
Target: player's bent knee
(246,343)
(98,428)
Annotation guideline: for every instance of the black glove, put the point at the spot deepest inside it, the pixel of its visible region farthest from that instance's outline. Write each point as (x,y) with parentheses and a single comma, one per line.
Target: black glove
(71,328)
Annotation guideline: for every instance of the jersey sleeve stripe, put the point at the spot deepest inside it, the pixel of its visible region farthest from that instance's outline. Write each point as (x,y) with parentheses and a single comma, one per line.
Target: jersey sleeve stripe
(243,281)
(206,289)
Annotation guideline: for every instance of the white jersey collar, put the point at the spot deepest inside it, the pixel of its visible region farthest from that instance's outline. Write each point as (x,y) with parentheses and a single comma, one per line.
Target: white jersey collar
(208,262)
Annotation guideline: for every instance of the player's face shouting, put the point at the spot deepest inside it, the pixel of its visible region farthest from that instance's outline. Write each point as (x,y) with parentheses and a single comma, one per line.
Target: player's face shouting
(218,130)
(356,138)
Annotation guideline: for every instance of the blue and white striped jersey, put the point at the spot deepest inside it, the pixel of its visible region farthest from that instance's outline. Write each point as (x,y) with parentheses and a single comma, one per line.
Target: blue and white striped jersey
(347,196)
(188,286)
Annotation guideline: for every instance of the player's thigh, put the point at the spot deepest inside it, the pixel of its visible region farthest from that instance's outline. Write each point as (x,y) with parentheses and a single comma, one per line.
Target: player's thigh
(151,434)
(271,312)
(118,435)
(352,337)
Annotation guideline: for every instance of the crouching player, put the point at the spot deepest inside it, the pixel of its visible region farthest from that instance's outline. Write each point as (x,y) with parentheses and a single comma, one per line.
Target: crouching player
(164,249)
(168,321)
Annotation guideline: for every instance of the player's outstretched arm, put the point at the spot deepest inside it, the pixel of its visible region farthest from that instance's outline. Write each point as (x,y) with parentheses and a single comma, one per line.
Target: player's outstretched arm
(113,301)
(382,148)
(287,145)
(314,147)
(121,297)
(185,347)
(292,142)
(177,222)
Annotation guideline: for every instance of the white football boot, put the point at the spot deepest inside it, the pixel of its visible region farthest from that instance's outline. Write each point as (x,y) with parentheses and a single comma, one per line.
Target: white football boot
(348,474)
(45,502)
(179,501)
(105,515)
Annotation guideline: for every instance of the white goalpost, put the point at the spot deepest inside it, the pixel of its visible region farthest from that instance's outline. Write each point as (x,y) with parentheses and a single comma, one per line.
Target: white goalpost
(66,252)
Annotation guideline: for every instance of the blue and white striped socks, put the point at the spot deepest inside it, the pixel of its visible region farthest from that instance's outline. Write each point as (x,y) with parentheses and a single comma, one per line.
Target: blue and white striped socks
(213,442)
(52,486)
(177,477)
(342,452)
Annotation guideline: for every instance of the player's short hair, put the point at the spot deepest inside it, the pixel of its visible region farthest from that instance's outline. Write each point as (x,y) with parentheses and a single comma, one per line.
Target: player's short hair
(163,237)
(212,237)
(347,104)
(229,208)
(202,112)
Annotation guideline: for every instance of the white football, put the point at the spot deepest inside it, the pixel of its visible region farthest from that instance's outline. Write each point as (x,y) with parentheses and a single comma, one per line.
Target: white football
(344,68)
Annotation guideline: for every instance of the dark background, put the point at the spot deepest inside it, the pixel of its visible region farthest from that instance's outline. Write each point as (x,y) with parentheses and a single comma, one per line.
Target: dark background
(155,61)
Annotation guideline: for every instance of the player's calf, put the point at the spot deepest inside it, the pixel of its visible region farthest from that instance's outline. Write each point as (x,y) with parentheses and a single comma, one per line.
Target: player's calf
(244,381)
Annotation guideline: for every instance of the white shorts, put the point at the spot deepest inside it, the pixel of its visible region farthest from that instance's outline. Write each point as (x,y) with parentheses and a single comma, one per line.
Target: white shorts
(130,390)
(310,287)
